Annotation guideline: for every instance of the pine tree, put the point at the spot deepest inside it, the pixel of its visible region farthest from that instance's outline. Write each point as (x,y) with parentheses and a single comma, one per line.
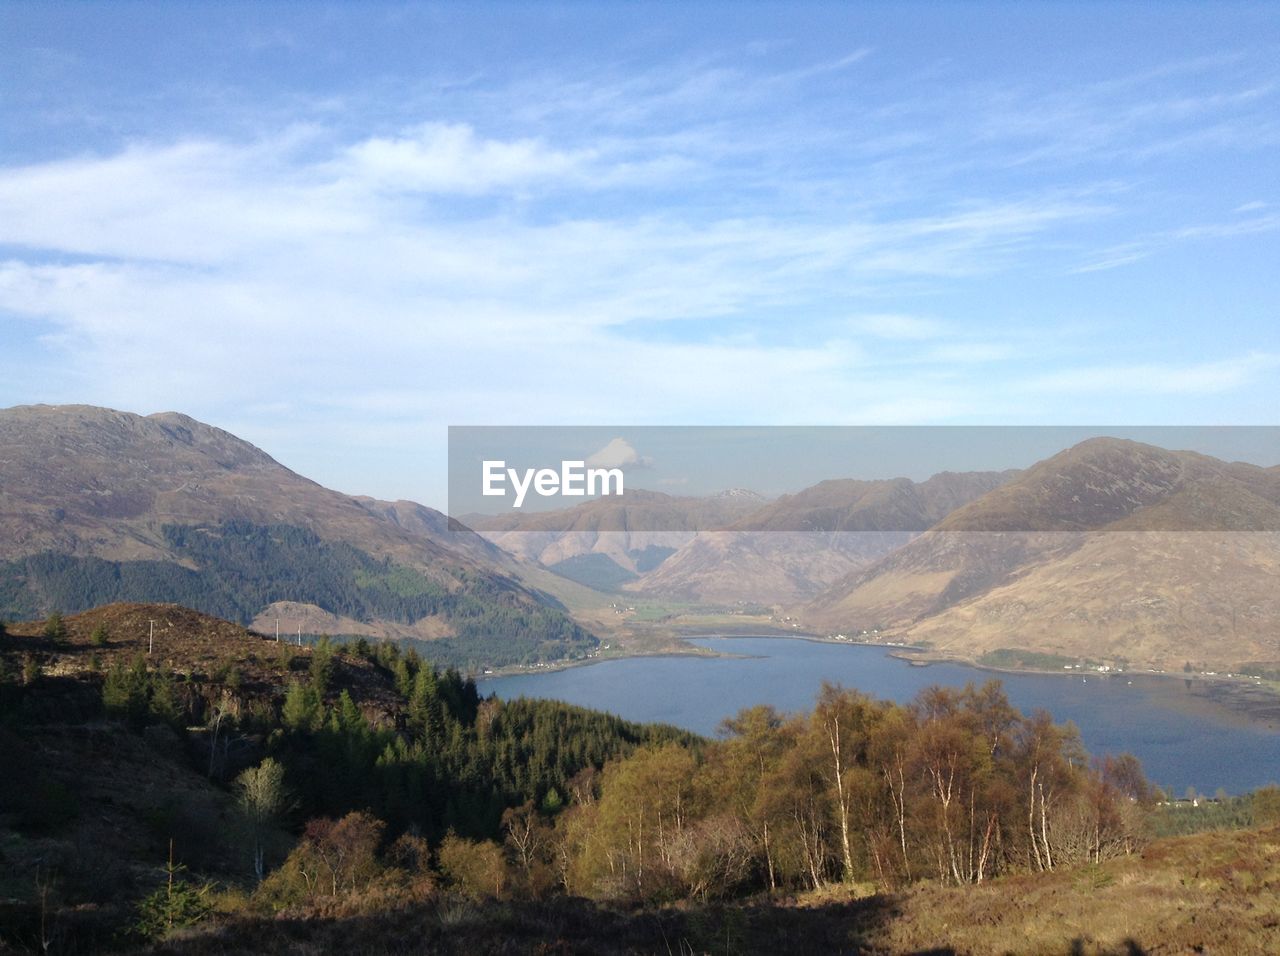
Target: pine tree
(164,702)
(125,693)
(55,629)
(302,708)
(176,904)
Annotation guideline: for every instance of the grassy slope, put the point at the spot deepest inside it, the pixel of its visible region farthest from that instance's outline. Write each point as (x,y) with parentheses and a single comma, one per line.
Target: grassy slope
(1213,892)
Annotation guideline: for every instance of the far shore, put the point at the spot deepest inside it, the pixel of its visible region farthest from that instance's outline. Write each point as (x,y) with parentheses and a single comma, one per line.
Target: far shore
(1242,698)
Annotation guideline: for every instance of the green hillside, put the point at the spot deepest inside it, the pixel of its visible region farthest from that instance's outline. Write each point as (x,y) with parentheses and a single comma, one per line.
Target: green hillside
(244,567)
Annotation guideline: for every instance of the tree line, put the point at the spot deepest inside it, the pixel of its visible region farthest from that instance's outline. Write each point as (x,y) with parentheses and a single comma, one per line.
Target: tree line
(955,787)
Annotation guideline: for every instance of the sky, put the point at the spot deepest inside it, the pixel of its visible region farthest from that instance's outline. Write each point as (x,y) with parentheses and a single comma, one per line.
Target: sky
(336,231)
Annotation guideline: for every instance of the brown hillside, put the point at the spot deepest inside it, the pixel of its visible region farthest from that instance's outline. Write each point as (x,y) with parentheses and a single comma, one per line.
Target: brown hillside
(97,482)
(1111,549)
(791,549)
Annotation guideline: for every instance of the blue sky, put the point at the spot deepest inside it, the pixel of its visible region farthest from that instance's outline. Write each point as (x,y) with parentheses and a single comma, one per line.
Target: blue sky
(337,230)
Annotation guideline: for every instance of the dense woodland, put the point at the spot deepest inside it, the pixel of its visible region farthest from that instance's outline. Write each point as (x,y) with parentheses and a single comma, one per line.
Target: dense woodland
(246,567)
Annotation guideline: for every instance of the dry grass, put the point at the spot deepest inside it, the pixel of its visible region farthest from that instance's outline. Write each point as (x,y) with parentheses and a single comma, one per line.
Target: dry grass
(1212,893)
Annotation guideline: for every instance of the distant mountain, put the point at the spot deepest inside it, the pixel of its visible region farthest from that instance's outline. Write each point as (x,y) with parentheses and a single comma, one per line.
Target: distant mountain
(734,545)
(893,505)
(630,533)
(98,505)
(1110,549)
(789,549)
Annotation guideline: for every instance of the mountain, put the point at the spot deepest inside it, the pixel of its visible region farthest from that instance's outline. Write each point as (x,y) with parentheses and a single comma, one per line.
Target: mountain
(893,505)
(1111,550)
(612,540)
(99,505)
(791,548)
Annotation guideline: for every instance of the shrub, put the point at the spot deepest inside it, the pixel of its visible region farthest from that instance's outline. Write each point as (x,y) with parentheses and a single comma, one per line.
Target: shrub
(334,858)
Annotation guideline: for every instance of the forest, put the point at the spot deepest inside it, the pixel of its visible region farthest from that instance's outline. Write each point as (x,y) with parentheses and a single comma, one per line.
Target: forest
(246,567)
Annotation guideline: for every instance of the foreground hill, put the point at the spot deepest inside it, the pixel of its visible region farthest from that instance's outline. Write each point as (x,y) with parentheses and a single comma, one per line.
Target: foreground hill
(1110,550)
(1210,893)
(98,505)
(398,782)
(124,729)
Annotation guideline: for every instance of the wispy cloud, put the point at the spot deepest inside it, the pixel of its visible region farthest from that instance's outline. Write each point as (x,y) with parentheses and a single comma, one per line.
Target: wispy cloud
(819,240)
(1144,246)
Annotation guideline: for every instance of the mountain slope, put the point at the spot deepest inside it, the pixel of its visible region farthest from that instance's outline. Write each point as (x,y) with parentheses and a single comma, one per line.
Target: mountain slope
(98,505)
(1110,549)
(632,531)
(790,549)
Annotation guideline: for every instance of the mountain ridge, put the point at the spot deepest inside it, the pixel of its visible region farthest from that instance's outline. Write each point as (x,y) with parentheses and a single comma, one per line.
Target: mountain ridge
(1110,549)
(99,505)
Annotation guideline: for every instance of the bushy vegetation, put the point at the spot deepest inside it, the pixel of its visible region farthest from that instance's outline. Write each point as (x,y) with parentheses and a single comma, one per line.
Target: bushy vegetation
(245,567)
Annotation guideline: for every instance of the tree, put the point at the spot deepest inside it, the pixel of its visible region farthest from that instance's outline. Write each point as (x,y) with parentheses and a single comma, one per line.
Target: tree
(752,752)
(890,750)
(100,636)
(55,629)
(303,710)
(1266,806)
(173,905)
(163,704)
(263,799)
(346,849)
(1048,761)
(843,719)
(322,665)
(125,691)
(477,868)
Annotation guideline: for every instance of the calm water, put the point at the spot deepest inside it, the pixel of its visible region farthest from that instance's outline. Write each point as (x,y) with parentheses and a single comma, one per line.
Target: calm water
(1148,717)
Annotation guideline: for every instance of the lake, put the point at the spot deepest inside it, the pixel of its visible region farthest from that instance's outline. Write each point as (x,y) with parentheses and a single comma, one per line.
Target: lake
(1181,741)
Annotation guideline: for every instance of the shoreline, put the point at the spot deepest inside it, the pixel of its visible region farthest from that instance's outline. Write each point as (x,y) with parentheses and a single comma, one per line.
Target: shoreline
(1238,698)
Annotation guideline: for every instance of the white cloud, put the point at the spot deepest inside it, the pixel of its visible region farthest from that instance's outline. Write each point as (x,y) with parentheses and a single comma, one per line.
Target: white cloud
(451,158)
(618,453)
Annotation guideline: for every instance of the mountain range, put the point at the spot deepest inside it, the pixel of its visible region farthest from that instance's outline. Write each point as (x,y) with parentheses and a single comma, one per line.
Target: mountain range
(1110,550)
